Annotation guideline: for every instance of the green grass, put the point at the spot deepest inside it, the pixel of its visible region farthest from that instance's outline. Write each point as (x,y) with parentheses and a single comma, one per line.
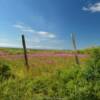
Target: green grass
(50,78)
(38,65)
(20,50)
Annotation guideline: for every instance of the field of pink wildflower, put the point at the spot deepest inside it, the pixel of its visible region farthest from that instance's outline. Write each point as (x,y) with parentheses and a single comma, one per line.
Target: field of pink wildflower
(41,62)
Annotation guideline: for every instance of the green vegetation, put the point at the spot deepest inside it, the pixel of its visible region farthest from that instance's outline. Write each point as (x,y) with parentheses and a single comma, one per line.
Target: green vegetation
(49,82)
(20,51)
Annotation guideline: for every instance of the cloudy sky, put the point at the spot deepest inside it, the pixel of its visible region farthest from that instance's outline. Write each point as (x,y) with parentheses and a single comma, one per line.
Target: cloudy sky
(48,24)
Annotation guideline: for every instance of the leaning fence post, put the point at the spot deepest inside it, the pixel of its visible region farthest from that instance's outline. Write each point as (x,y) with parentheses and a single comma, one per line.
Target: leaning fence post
(75,48)
(25,52)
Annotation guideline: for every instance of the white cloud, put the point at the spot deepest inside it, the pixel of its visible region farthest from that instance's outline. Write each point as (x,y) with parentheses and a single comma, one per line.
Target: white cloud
(27,29)
(6,44)
(46,34)
(36,43)
(52,36)
(92,7)
(54,44)
(24,28)
(42,33)
(36,38)
(19,26)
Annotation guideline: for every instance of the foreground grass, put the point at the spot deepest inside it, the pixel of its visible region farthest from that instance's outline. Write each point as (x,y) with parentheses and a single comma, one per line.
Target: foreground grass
(62,80)
(71,84)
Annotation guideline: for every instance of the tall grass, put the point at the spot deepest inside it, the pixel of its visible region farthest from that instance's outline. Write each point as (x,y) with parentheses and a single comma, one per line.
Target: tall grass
(74,83)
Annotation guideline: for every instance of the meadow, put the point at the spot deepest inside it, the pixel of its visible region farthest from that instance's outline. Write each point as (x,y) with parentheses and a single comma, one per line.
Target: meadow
(53,75)
(41,62)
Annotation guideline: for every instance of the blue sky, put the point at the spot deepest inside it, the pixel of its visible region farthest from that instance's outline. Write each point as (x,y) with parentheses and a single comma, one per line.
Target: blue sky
(48,24)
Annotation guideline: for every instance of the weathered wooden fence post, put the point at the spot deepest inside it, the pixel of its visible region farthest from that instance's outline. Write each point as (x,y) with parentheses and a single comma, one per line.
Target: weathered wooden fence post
(25,52)
(75,48)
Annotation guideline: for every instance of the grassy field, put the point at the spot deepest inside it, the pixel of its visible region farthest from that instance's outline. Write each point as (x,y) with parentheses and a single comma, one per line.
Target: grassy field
(41,62)
(53,75)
